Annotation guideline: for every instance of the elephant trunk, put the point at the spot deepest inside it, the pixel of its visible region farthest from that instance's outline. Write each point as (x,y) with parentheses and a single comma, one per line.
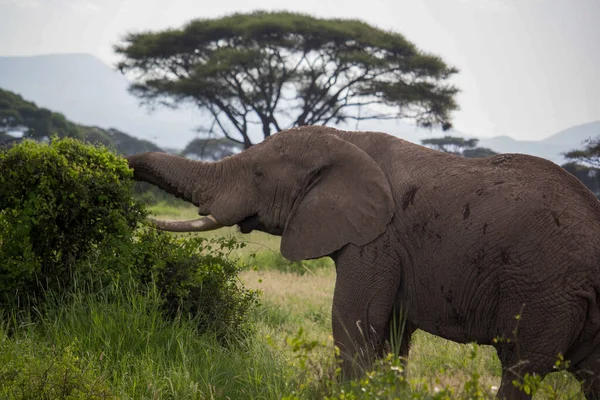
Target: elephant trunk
(190,180)
(178,176)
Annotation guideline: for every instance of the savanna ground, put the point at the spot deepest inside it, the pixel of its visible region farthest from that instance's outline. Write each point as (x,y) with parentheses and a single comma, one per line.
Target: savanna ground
(127,350)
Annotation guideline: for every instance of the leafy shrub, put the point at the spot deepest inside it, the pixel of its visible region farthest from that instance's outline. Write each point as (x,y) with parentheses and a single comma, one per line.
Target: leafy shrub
(68,215)
(60,201)
(28,372)
(196,277)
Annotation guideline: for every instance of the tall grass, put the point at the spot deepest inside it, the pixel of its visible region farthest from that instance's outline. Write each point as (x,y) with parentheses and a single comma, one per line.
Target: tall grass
(121,334)
(123,348)
(112,341)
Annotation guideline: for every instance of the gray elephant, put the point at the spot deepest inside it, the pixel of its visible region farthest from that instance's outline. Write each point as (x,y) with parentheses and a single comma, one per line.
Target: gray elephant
(461,246)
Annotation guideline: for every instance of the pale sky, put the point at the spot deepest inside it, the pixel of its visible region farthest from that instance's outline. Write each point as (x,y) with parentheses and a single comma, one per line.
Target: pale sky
(528,68)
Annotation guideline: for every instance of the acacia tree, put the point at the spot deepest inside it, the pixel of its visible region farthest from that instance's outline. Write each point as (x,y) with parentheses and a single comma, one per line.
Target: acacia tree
(458,146)
(279,69)
(589,155)
(450,144)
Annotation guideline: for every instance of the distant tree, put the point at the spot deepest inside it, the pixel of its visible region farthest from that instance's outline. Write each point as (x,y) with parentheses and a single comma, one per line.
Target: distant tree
(458,146)
(589,155)
(120,141)
(590,176)
(212,149)
(19,115)
(478,152)
(127,144)
(277,70)
(585,163)
(450,144)
(94,134)
(5,139)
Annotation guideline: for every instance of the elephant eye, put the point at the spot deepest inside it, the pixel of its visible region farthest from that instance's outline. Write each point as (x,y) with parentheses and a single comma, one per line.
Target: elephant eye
(258,172)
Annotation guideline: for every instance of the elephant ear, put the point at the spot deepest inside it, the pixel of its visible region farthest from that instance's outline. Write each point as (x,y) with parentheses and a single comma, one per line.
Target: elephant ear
(349,200)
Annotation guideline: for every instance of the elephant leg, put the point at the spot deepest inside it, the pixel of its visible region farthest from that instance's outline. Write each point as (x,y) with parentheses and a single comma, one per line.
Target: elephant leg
(529,358)
(532,354)
(363,301)
(515,365)
(507,390)
(585,358)
(532,343)
(588,373)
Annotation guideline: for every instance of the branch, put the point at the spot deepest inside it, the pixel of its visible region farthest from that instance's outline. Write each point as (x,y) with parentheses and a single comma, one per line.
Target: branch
(328,105)
(279,86)
(249,104)
(217,120)
(374,116)
(229,113)
(236,85)
(331,81)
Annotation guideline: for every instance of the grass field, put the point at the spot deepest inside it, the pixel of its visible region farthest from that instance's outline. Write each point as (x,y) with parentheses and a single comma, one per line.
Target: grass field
(124,349)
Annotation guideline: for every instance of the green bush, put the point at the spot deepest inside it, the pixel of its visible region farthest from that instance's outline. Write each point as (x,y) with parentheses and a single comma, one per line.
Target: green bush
(196,277)
(59,202)
(68,217)
(40,372)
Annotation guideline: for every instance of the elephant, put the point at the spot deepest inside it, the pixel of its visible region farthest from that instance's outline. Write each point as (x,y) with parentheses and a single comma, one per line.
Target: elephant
(501,251)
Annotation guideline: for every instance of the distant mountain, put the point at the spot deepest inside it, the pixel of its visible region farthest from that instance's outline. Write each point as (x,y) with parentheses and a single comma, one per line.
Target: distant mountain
(89,92)
(551,147)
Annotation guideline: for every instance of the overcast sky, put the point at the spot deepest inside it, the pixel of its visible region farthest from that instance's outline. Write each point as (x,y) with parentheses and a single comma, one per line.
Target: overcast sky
(528,68)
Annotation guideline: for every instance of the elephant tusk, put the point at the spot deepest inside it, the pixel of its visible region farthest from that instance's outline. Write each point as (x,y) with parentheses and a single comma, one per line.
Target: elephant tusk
(203,224)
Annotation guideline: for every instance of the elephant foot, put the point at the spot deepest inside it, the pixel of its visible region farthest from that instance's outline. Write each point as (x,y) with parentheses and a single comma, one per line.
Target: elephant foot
(508,391)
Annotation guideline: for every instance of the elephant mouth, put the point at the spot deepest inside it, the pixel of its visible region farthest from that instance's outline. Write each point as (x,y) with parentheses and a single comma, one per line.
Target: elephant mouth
(250,223)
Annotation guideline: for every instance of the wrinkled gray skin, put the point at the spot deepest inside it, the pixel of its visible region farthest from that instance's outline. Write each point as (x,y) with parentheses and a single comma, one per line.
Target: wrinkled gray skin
(462,246)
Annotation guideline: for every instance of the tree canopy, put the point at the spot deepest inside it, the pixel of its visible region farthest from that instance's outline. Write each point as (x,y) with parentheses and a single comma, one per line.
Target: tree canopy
(590,176)
(589,155)
(276,70)
(458,146)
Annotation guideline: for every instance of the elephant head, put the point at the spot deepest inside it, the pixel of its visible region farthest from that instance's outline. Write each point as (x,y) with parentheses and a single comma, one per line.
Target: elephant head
(309,185)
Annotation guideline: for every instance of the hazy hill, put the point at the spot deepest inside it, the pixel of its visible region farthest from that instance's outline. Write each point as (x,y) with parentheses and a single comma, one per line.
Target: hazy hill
(551,147)
(90,92)
(21,118)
